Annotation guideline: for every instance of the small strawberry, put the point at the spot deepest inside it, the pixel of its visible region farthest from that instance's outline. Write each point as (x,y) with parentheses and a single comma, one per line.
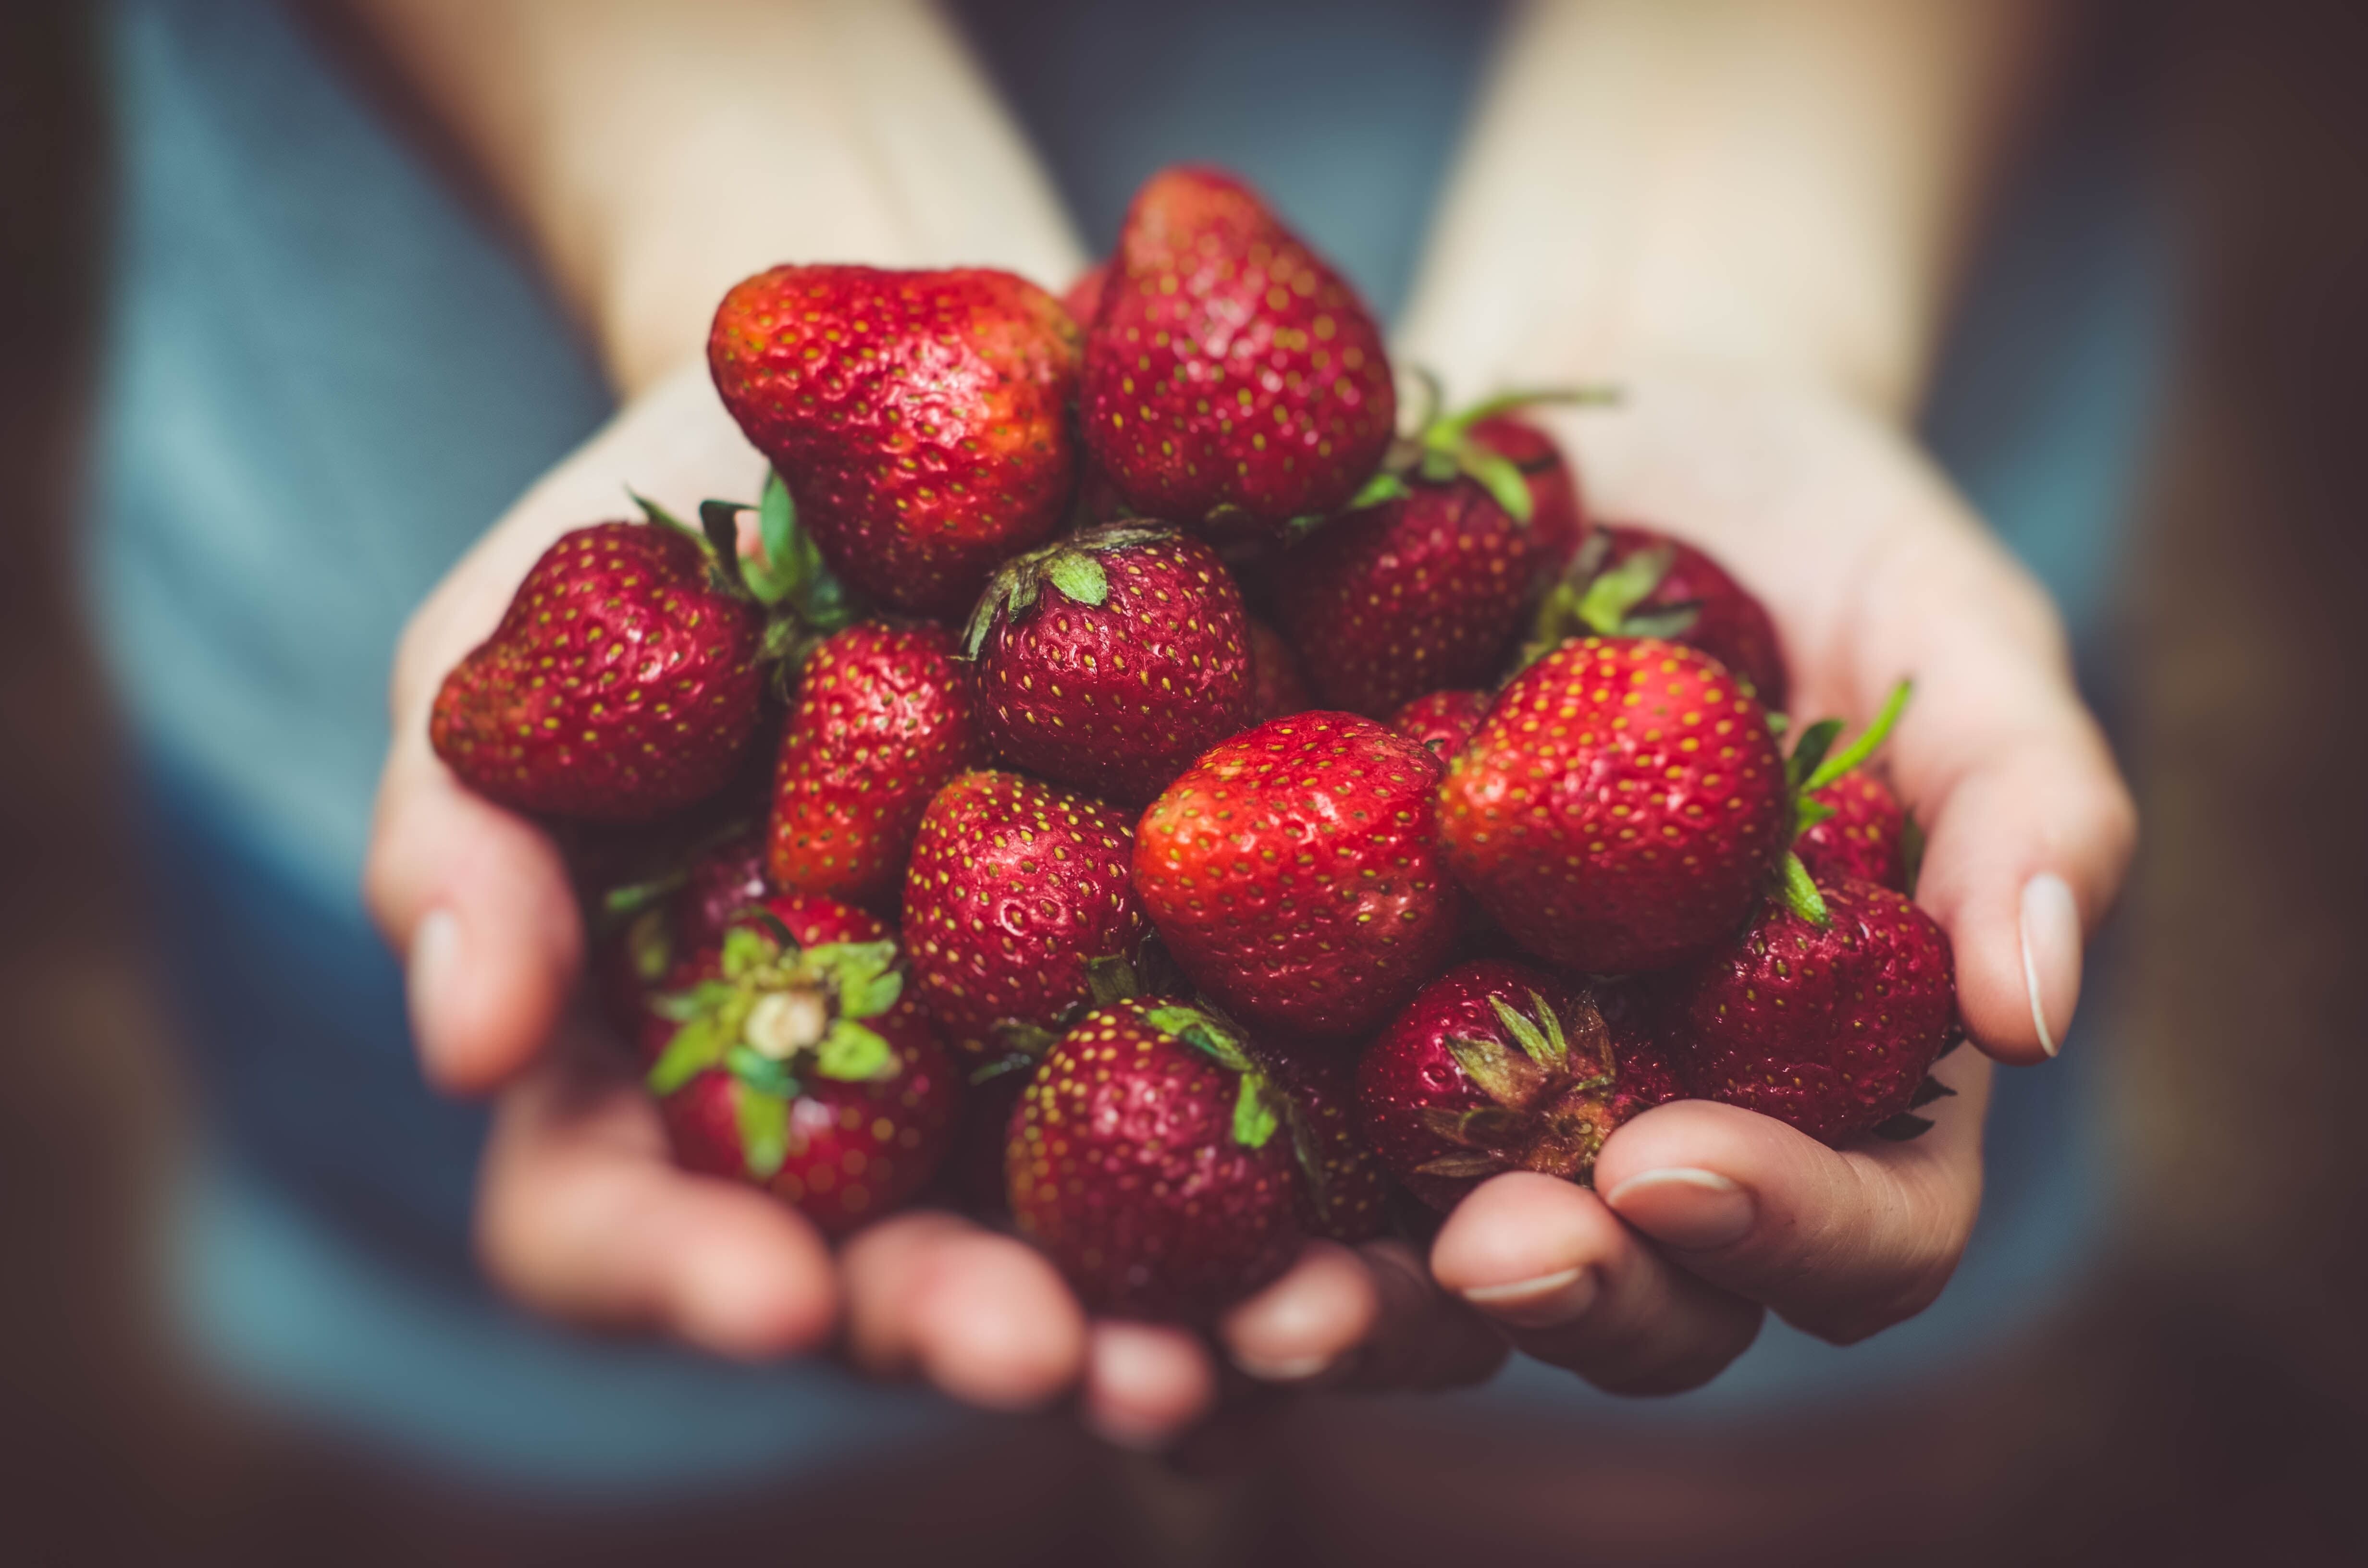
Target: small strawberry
(920,418)
(1343,1190)
(798,1063)
(1015,888)
(1620,808)
(622,682)
(1443,722)
(1829,1027)
(1557,515)
(1232,381)
(1149,1159)
(1292,873)
(1494,1067)
(884,716)
(1867,837)
(1278,688)
(645,928)
(1630,582)
(1110,659)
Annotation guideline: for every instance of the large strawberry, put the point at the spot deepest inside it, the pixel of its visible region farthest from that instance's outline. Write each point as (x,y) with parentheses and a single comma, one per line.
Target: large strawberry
(1111,658)
(622,682)
(1016,888)
(1443,722)
(1494,1067)
(1631,582)
(884,717)
(1620,808)
(1828,1025)
(920,418)
(1343,1190)
(798,1063)
(1151,1161)
(1233,380)
(1292,873)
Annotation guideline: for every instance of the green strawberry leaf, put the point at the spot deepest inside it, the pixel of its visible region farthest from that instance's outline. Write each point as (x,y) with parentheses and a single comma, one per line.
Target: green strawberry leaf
(758,1070)
(862,974)
(1462,419)
(719,523)
(1859,750)
(1508,1077)
(1076,573)
(681,1006)
(777,525)
(1501,478)
(1903,1128)
(1024,1039)
(1809,751)
(746,948)
(764,1121)
(1478,1162)
(853,1054)
(649,946)
(1112,978)
(1203,1033)
(1525,1031)
(1254,1118)
(1604,607)
(1928,1091)
(697,1046)
(1802,894)
(1016,1062)
(1557,1043)
(1384,487)
(1808,814)
(1667,624)
(659,514)
(620,904)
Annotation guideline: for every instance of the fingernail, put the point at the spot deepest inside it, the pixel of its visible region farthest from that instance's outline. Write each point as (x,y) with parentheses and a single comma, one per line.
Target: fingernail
(1689,1209)
(1546,1301)
(1283,1369)
(433,968)
(2051,956)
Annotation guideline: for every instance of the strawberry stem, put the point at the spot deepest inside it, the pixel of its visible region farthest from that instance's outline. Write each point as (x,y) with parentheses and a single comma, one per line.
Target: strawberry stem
(1801,893)
(1836,764)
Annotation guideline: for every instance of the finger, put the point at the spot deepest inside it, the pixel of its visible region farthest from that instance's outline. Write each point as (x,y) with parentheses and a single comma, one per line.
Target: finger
(1146,1383)
(582,1216)
(1840,1243)
(1572,1286)
(1425,1338)
(983,1317)
(1305,1322)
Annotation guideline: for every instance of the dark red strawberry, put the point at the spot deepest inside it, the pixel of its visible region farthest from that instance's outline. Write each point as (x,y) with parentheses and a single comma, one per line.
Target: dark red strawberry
(1232,381)
(884,717)
(920,418)
(1557,515)
(1343,1191)
(1152,1163)
(1829,1028)
(1631,582)
(622,682)
(1014,889)
(1497,1067)
(1111,658)
(1443,721)
(645,928)
(1620,807)
(1293,874)
(1866,837)
(1083,297)
(797,1063)
(1277,686)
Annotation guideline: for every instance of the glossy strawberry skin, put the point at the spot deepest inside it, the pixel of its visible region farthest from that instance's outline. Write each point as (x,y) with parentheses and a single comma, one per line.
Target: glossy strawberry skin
(884,716)
(1230,376)
(1124,1166)
(1730,624)
(1866,838)
(1620,809)
(1559,522)
(621,684)
(920,419)
(1443,722)
(1353,1202)
(1014,887)
(1402,598)
(1292,873)
(1278,687)
(1115,699)
(1830,1030)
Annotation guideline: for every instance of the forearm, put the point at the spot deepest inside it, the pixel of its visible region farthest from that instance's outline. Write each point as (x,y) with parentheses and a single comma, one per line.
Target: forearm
(1779,186)
(655,154)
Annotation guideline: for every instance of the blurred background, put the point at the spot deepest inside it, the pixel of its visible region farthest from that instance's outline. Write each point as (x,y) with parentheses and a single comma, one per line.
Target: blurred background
(2204,1397)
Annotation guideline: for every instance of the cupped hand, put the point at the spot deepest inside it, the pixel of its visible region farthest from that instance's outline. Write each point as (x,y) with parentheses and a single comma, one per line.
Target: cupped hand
(1703,1216)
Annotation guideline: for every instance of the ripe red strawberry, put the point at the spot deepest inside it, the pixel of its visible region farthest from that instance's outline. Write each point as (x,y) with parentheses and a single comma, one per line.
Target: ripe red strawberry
(648,927)
(884,716)
(622,682)
(1557,515)
(1866,838)
(1496,1067)
(1232,381)
(1620,808)
(1443,722)
(1293,874)
(1083,297)
(1111,658)
(1631,582)
(1277,687)
(1149,1159)
(920,418)
(798,1063)
(1830,1028)
(1343,1190)
(1014,889)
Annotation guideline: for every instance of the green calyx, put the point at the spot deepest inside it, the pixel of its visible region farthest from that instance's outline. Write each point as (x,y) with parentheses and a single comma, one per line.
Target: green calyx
(1814,765)
(778,1011)
(1256,1115)
(1599,597)
(1071,568)
(1545,1091)
(1442,450)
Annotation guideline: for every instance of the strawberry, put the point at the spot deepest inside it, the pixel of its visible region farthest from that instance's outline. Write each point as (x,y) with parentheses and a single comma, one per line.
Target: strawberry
(1083,297)
(883,718)
(1277,686)
(1631,582)
(1497,1066)
(1015,890)
(1829,1027)
(1292,873)
(1620,808)
(1149,1160)
(798,1063)
(1343,1190)
(647,927)
(1867,837)
(919,419)
(1111,658)
(1557,515)
(1443,721)
(1233,380)
(622,682)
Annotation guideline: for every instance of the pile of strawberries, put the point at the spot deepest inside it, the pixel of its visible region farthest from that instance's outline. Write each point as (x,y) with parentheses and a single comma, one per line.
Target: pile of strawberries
(1123,777)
